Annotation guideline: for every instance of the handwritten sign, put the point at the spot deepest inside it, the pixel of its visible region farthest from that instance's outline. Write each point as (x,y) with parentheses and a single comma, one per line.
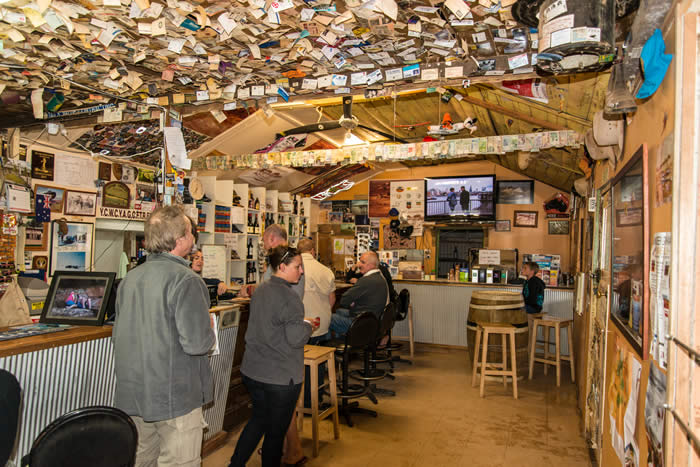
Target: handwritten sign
(489,256)
(214,262)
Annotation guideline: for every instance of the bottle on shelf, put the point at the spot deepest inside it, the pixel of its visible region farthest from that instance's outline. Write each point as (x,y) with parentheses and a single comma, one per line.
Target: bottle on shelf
(249,254)
(256,205)
(254,274)
(301,209)
(249,226)
(290,230)
(250,200)
(295,205)
(256,225)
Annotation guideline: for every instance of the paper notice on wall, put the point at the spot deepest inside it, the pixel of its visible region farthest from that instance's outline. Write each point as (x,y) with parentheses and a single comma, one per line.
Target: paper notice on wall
(408,197)
(75,171)
(622,396)
(214,261)
(175,145)
(350,247)
(237,215)
(489,256)
(338,246)
(654,414)
(660,295)
(231,241)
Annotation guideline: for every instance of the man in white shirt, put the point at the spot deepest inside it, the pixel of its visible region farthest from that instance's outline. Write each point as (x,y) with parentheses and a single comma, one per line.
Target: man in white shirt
(319,290)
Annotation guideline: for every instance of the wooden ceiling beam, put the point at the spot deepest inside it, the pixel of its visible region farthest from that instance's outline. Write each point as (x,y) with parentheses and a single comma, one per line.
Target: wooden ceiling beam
(511,113)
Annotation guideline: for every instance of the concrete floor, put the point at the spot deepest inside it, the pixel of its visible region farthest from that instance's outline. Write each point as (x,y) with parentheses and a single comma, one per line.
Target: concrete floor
(438,419)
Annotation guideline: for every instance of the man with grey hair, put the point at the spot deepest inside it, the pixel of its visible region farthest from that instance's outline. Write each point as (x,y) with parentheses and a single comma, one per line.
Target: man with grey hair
(370,293)
(161,337)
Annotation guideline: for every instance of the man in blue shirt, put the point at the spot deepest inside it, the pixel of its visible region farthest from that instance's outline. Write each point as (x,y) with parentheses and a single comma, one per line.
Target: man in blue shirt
(533,293)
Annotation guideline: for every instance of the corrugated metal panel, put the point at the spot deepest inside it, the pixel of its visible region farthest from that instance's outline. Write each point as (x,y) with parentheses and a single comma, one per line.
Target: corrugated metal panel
(440,311)
(221,369)
(57,380)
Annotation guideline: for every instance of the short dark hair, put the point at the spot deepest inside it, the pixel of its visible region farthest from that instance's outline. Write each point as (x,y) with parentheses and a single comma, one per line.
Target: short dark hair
(282,254)
(532,265)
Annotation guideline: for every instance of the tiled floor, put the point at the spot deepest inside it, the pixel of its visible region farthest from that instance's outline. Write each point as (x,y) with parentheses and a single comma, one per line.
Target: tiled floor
(438,419)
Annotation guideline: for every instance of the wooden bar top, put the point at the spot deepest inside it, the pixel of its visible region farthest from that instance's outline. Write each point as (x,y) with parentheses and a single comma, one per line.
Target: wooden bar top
(230,305)
(73,335)
(468,284)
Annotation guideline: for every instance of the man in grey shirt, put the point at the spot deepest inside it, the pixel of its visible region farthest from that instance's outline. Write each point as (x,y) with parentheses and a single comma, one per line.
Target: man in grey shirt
(161,337)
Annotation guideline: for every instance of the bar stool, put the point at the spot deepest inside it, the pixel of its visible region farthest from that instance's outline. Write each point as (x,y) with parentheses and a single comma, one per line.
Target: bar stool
(487,368)
(547,323)
(313,357)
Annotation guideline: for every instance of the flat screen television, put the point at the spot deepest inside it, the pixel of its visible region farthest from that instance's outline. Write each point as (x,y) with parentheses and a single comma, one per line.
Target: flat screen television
(78,298)
(460,199)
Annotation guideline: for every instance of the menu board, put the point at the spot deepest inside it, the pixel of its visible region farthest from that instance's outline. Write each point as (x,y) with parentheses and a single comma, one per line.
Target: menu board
(214,262)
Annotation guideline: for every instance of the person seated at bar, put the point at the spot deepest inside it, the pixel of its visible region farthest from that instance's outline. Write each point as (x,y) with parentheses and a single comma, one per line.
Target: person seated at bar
(370,293)
(162,335)
(533,292)
(354,274)
(221,287)
(273,362)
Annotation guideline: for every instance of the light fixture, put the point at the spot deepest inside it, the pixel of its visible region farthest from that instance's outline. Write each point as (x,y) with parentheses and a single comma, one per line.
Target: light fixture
(352,140)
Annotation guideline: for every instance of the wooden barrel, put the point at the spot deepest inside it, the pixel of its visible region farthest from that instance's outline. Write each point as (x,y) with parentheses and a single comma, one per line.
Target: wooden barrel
(497,306)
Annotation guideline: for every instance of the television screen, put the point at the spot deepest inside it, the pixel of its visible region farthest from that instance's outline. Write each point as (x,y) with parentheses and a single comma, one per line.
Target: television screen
(78,298)
(468,197)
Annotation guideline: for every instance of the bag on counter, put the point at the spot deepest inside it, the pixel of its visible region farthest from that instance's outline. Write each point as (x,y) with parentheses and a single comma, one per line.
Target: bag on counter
(14,309)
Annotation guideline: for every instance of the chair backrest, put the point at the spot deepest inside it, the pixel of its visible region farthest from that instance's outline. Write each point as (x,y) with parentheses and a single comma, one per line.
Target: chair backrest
(96,436)
(402,305)
(386,321)
(363,330)
(10,398)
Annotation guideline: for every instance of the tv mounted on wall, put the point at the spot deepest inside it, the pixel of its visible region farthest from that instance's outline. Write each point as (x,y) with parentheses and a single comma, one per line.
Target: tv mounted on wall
(460,199)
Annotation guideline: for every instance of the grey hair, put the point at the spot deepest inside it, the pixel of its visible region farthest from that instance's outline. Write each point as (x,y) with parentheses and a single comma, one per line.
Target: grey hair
(372,257)
(165,226)
(305,245)
(277,231)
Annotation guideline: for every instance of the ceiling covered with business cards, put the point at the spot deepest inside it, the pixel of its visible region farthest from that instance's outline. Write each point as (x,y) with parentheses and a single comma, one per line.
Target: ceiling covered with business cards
(57,57)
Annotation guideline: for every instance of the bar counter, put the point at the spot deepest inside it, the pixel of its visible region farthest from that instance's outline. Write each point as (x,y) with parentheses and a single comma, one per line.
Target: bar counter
(441,307)
(66,370)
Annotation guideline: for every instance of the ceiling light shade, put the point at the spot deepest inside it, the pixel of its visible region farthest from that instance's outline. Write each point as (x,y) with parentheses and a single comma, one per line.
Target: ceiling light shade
(352,140)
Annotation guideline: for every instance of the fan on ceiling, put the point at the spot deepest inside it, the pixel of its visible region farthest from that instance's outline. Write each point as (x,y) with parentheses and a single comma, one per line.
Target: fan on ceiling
(347,121)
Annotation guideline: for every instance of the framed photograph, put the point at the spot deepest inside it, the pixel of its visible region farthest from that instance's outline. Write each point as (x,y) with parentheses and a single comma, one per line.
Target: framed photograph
(40,262)
(37,238)
(525,219)
(71,250)
(80,203)
(515,191)
(104,171)
(78,298)
(628,217)
(503,225)
(116,195)
(560,227)
(53,195)
(42,165)
(335,217)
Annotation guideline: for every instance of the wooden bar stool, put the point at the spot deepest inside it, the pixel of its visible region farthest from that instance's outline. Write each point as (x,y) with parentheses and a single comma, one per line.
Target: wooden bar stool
(313,357)
(493,368)
(547,323)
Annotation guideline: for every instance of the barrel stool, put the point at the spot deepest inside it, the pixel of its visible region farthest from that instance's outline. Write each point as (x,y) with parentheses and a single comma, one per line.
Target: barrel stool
(498,306)
(547,323)
(493,368)
(314,356)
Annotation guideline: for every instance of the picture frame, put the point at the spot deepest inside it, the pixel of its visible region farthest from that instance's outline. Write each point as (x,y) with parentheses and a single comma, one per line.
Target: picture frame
(558,227)
(72,250)
(116,195)
(57,196)
(80,203)
(40,262)
(503,225)
(36,238)
(526,219)
(628,217)
(79,298)
(515,192)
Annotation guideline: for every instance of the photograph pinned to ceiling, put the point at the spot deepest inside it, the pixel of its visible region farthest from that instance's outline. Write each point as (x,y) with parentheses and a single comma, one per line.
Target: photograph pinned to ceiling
(52,196)
(42,165)
(80,203)
(129,139)
(393,241)
(379,198)
(664,172)
(525,219)
(515,191)
(259,177)
(36,235)
(654,415)
(72,250)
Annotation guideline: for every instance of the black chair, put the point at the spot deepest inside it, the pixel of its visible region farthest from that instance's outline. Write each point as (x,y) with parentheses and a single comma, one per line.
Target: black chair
(360,336)
(10,402)
(403,302)
(96,436)
(370,372)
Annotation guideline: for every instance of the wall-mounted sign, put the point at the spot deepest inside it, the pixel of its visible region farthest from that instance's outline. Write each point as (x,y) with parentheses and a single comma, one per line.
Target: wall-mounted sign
(126,214)
(116,195)
(42,165)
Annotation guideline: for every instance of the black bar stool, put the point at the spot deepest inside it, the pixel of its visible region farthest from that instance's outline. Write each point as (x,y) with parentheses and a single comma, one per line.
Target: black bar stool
(403,304)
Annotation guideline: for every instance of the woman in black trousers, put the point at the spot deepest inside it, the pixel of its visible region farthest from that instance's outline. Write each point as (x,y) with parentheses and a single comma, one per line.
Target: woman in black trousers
(273,362)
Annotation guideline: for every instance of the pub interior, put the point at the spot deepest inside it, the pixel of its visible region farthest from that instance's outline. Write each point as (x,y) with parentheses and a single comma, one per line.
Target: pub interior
(486,211)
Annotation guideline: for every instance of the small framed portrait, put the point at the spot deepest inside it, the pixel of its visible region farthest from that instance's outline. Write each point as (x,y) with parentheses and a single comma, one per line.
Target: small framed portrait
(503,225)
(36,238)
(558,227)
(54,196)
(525,219)
(80,203)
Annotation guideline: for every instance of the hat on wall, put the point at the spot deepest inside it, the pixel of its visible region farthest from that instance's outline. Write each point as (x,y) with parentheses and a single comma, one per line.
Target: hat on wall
(608,132)
(393,212)
(196,189)
(597,152)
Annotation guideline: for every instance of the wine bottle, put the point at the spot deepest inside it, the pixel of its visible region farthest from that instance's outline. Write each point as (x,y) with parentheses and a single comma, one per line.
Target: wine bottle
(295,205)
(249,255)
(249,227)
(250,200)
(301,209)
(254,274)
(257,204)
(256,226)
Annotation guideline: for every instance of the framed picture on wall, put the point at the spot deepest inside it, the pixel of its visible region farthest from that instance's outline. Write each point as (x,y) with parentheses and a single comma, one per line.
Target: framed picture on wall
(503,225)
(525,219)
(628,217)
(71,248)
(515,192)
(53,195)
(559,227)
(80,203)
(36,238)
